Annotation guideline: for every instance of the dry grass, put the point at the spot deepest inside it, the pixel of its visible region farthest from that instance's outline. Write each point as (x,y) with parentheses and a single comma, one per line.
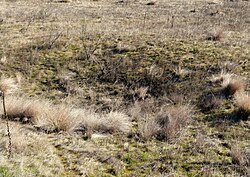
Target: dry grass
(149,128)
(56,118)
(41,38)
(230,83)
(176,98)
(153,19)
(8,85)
(25,109)
(239,156)
(135,110)
(233,87)
(216,36)
(140,93)
(168,123)
(116,122)
(210,101)
(50,118)
(222,79)
(90,122)
(18,108)
(242,101)
(29,148)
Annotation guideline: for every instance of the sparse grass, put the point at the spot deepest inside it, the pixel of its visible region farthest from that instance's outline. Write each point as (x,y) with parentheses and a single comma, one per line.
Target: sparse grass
(32,153)
(103,61)
(168,123)
(149,128)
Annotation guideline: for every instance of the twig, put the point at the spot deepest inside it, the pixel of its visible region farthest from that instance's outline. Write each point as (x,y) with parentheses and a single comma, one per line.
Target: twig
(7,125)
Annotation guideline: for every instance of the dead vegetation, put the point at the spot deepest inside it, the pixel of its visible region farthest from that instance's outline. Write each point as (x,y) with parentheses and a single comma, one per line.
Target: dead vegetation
(239,157)
(108,87)
(48,117)
(8,85)
(168,123)
(242,101)
(216,36)
(230,84)
(52,118)
(225,86)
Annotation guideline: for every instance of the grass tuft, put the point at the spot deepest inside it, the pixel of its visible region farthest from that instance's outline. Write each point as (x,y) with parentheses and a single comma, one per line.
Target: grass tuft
(150,128)
(216,36)
(239,157)
(168,123)
(231,84)
(210,101)
(116,122)
(242,101)
(53,118)
(234,86)
(56,118)
(8,85)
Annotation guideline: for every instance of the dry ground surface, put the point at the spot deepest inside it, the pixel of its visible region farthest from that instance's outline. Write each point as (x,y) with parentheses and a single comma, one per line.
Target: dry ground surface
(126,87)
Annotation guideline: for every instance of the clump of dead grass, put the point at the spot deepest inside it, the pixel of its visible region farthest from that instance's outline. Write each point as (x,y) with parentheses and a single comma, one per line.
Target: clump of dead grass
(234,86)
(226,85)
(8,85)
(46,116)
(168,123)
(217,35)
(17,108)
(135,110)
(150,127)
(242,101)
(230,84)
(56,118)
(210,101)
(23,109)
(90,122)
(116,122)
(239,156)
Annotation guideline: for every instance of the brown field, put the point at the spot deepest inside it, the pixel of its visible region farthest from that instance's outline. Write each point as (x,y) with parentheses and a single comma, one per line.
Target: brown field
(125,88)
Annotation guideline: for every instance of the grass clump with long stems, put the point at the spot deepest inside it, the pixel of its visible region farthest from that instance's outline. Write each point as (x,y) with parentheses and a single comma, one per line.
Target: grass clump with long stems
(168,123)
